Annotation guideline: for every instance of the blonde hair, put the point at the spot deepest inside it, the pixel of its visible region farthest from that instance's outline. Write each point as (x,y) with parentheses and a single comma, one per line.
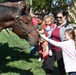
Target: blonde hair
(52,19)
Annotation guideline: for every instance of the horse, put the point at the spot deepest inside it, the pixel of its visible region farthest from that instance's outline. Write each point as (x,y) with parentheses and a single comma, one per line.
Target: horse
(21,7)
(14,4)
(21,24)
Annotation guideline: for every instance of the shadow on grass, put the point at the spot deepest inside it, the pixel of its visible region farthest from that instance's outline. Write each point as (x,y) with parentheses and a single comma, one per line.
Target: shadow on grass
(56,71)
(14,54)
(16,70)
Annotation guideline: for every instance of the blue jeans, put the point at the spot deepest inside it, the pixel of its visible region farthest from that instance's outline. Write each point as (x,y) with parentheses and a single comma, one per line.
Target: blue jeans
(34,50)
(72,73)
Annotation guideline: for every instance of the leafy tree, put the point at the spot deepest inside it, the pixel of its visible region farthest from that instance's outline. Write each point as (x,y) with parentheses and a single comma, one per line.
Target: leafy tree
(1,0)
(41,4)
(51,5)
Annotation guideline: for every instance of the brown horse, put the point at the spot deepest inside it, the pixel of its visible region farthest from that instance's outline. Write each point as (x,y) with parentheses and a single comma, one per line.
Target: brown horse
(21,25)
(19,8)
(21,4)
(14,4)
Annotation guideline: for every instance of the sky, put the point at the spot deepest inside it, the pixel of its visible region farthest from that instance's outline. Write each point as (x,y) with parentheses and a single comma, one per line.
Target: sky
(54,1)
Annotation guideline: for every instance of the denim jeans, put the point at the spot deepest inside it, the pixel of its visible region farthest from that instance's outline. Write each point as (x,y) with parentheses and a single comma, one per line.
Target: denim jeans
(72,73)
(34,50)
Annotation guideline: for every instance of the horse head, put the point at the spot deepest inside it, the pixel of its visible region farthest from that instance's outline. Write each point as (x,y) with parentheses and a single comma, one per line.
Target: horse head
(21,22)
(24,28)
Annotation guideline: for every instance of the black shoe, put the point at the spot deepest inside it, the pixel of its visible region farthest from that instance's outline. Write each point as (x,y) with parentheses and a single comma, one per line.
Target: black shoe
(49,72)
(43,67)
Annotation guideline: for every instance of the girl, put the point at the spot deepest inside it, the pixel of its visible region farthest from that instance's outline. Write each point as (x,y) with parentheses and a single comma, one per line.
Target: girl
(39,28)
(68,50)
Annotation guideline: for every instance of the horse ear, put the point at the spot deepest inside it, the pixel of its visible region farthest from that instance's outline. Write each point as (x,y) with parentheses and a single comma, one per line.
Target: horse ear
(28,8)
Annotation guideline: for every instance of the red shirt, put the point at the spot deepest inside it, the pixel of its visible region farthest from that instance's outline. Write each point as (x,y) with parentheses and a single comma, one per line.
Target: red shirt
(56,36)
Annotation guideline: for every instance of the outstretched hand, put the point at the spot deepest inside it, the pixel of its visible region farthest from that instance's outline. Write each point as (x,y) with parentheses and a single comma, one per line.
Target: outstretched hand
(43,36)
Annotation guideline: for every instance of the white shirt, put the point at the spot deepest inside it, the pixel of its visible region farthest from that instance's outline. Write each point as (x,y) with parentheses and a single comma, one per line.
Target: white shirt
(48,30)
(69,53)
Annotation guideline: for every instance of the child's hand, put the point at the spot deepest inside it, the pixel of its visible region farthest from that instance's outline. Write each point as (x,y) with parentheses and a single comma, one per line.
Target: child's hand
(36,29)
(42,35)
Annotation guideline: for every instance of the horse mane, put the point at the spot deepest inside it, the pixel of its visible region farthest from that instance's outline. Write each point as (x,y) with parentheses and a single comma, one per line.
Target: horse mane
(6,10)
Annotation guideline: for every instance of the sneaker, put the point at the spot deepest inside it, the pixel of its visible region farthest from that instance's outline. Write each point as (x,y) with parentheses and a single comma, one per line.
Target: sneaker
(50,52)
(42,60)
(39,59)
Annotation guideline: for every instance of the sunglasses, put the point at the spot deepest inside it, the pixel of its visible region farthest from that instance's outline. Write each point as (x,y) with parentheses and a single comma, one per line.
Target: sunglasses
(59,17)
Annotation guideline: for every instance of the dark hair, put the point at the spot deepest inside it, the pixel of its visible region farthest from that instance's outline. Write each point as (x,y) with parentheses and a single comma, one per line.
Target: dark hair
(63,12)
(41,17)
(37,13)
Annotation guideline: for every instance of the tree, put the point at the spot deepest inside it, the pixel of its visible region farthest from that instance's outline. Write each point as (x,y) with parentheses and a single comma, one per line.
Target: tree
(41,4)
(51,5)
(1,0)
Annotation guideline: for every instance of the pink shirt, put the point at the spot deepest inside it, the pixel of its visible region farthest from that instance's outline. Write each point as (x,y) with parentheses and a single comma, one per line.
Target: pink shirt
(35,22)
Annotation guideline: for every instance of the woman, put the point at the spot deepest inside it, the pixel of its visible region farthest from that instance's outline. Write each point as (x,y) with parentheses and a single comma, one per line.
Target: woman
(58,35)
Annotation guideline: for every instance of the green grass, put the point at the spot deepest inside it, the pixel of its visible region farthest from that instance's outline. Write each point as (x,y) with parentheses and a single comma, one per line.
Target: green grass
(14,60)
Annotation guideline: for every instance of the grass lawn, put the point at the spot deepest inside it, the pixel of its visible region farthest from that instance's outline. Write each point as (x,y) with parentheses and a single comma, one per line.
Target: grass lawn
(14,60)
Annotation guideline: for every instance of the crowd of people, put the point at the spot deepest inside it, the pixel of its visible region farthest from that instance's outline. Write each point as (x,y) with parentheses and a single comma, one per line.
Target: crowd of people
(56,43)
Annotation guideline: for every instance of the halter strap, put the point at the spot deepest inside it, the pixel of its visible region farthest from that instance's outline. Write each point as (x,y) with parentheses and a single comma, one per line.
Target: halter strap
(17,23)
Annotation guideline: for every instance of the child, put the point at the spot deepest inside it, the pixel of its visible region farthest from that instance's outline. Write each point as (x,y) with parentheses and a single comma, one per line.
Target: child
(68,49)
(40,43)
(49,24)
(47,29)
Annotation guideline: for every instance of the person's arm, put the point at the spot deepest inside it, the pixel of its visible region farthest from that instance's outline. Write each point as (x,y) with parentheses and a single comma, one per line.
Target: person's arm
(41,31)
(59,44)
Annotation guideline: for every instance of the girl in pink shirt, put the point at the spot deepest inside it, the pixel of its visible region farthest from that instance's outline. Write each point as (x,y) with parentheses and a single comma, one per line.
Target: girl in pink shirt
(68,50)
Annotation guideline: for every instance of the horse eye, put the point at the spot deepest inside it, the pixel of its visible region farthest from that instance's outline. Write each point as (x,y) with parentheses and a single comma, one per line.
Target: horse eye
(26,22)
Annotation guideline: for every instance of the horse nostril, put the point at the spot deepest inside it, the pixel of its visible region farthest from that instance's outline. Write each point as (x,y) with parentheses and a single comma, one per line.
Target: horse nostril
(29,40)
(32,41)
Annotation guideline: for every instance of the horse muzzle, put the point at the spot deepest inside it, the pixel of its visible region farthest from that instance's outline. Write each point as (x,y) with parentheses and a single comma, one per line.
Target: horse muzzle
(33,41)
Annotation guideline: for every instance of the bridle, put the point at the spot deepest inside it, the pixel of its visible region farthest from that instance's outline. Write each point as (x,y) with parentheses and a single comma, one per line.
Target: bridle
(20,26)
(18,23)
